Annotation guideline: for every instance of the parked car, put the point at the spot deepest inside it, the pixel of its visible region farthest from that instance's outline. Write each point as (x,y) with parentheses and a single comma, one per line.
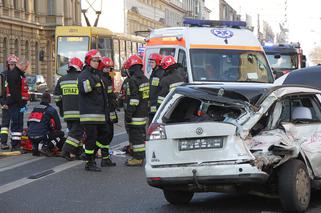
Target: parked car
(259,138)
(37,85)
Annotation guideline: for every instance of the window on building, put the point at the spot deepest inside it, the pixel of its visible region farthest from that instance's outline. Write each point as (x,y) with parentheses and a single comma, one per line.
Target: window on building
(27,56)
(37,71)
(24,5)
(5,52)
(51,7)
(15,4)
(16,47)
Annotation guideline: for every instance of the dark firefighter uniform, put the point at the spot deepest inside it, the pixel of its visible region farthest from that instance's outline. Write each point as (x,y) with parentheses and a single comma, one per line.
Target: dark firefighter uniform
(154,88)
(94,114)
(111,100)
(137,113)
(66,97)
(44,127)
(4,132)
(15,101)
(172,79)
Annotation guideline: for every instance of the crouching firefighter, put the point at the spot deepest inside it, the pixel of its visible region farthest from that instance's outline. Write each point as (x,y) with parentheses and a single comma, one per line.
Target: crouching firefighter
(94,113)
(137,109)
(44,128)
(66,98)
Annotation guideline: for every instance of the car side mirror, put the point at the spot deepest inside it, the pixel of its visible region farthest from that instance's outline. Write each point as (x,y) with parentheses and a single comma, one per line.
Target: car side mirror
(277,56)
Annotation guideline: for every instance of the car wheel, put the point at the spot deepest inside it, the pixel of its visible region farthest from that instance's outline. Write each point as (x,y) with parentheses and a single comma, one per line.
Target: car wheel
(178,197)
(294,186)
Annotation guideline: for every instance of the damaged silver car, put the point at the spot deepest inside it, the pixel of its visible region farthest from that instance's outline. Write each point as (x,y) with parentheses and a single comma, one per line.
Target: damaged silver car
(258,138)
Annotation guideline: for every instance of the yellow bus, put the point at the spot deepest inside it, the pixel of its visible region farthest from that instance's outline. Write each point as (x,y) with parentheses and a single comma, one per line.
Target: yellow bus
(75,41)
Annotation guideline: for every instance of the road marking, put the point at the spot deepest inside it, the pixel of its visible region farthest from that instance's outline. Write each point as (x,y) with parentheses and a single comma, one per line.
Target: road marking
(121,133)
(24,181)
(20,164)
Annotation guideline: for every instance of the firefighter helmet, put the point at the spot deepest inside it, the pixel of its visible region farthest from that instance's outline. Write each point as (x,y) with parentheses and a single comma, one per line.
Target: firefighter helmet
(156,57)
(131,61)
(76,63)
(12,59)
(167,61)
(92,54)
(107,62)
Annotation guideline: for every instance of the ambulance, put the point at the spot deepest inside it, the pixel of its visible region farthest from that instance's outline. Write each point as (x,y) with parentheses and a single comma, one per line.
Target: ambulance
(212,51)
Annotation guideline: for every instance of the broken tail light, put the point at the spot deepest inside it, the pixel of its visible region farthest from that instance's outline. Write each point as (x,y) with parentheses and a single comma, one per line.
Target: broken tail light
(156,131)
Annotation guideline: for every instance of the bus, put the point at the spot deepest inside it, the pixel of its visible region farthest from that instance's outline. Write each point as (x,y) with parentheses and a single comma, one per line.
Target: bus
(75,41)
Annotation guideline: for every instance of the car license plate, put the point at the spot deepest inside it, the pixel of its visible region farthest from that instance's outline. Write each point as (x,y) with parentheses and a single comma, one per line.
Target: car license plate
(200,143)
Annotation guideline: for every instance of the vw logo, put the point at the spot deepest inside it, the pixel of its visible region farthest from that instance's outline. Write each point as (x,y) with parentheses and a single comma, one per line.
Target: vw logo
(199,131)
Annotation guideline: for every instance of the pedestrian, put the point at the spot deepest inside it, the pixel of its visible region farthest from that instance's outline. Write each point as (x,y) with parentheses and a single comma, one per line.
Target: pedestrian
(16,98)
(94,112)
(173,77)
(66,98)
(44,128)
(137,109)
(157,74)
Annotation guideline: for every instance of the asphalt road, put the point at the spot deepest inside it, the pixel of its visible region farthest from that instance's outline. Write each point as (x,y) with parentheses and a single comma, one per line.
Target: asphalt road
(41,184)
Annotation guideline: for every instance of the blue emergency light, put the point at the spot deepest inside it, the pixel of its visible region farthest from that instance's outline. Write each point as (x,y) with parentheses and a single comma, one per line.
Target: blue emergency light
(213,23)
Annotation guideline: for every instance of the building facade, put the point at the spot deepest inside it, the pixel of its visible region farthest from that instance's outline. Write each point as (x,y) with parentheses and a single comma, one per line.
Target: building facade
(27,29)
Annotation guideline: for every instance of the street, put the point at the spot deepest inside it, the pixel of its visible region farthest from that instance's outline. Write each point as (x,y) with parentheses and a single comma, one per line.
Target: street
(42,184)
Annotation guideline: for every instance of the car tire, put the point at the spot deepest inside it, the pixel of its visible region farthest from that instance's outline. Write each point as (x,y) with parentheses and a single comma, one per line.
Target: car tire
(178,197)
(294,186)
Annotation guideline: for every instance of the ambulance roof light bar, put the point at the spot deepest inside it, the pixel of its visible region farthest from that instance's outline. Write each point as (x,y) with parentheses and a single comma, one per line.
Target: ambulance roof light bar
(213,23)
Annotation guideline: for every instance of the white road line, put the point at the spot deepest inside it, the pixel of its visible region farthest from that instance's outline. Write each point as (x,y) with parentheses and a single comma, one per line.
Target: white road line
(21,164)
(120,133)
(24,181)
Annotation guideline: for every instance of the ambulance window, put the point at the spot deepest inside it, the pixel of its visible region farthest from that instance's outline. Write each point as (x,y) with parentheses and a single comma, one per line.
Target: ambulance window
(182,58)
(147,65)
(167,51)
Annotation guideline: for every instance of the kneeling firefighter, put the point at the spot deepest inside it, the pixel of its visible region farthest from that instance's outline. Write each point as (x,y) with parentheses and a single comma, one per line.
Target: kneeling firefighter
(44,127)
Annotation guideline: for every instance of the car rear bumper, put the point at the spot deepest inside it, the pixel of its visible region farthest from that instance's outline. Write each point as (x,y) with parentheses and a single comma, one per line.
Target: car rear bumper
(205,175)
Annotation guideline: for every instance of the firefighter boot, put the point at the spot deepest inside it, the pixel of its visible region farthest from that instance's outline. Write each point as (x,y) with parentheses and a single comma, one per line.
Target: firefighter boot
(134,162)
(91,164)
(106,161)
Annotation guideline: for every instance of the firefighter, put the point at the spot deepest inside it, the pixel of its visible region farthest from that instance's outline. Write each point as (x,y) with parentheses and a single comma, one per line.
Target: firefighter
(107,66)
(173,77)
(66,98)
(44,127)
(11,64)
(16,99)
(154,80)
(137,109)
(94,112)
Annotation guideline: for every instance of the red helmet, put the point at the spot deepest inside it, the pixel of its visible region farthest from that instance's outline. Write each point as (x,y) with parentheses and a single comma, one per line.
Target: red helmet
(107,62)
(132,60)
(76,63)
(167,61)
(12,59)
(92,54)
(156,57)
